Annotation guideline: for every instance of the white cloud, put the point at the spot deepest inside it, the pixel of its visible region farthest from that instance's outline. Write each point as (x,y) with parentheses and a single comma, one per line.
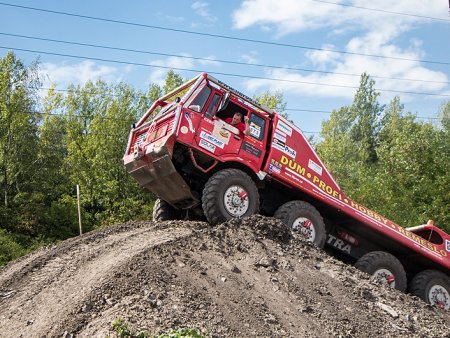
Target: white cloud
(372,32)
(209,60)
(202,9)
(323,58)
(286,16)
(158,76)
(337,85)
(79,73)
(305,85)
(289,16)
(250,57)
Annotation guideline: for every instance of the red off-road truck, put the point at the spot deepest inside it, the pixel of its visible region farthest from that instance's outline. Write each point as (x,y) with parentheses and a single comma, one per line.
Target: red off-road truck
(198,165)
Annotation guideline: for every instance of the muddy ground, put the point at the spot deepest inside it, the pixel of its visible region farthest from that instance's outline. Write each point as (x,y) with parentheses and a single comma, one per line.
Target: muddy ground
(243,278)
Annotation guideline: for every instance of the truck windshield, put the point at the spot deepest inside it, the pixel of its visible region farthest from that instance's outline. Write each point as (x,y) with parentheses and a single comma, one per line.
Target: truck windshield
(196,101)
(199,98)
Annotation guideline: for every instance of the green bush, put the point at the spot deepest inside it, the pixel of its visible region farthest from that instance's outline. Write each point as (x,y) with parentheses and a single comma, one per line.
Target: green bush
(181,333)
(9,248)
(126,331)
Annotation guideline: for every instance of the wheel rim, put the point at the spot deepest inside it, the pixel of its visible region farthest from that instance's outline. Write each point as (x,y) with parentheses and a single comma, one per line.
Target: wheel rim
(439,296)
(236,201)
(385,277)
(305,228)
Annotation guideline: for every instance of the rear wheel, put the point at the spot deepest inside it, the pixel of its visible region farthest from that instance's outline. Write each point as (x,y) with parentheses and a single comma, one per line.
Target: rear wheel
(163,211)
(385,268)
(229,193)
(433,287)
(304,220)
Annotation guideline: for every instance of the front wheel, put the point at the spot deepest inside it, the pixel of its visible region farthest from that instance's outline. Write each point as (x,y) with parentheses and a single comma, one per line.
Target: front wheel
(385,268)
(163,211)
(229,193)
(433,287)
(304,220)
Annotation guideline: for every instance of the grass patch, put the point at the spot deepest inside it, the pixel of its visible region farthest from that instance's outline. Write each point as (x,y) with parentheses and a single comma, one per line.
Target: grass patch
(124,330)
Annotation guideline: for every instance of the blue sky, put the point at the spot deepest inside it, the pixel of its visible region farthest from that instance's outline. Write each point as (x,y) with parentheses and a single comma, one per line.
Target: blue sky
(324,25)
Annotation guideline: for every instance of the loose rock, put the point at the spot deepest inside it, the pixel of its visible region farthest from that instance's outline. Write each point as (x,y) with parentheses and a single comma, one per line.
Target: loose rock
(156,276)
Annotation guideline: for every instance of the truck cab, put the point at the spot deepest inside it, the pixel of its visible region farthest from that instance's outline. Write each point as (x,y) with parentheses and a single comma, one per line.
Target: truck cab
(183,139)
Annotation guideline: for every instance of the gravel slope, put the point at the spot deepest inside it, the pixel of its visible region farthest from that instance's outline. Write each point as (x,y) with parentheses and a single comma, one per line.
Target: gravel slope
(243,278)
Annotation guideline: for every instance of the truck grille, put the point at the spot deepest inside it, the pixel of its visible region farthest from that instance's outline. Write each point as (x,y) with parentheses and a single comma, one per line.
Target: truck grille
(140,139)
(155,132)
(159,130)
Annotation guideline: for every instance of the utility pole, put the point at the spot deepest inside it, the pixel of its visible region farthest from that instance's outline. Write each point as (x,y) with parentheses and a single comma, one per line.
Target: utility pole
(79,210)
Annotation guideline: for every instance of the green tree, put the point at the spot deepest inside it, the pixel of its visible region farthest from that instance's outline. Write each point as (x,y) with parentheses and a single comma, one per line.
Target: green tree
(9,248)
(389,161)
(273,101)
(441,196)
(99,117)
(52,176)
(18,139)
(173,80)
(350,139)
(413,169)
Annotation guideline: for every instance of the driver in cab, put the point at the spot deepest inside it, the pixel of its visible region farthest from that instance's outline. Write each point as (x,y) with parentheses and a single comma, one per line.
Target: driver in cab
(236,121)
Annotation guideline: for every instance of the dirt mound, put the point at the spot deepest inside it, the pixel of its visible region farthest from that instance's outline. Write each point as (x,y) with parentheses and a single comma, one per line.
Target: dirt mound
(243,278)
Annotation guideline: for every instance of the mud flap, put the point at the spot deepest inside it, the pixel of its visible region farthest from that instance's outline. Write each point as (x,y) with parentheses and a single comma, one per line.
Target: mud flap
(160,177)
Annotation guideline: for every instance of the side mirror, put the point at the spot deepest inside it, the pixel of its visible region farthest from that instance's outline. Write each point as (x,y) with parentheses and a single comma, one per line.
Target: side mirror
(195,107)
(224,103)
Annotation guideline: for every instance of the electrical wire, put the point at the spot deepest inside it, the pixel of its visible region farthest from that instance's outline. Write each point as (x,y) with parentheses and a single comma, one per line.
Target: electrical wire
(285,109)
(220,36)
(383,11)
(219,73)
(114,119)
(208,59)
(329,112)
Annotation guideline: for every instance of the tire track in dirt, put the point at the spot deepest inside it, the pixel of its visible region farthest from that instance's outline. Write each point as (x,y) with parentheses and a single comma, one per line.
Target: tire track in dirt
(48,294)
(20,268)
(242,278)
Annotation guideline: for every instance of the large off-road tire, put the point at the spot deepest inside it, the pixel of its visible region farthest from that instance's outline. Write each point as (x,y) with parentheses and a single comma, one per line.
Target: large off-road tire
(433,287)
(163,211)
(304,220)
(229,193)
(385,268)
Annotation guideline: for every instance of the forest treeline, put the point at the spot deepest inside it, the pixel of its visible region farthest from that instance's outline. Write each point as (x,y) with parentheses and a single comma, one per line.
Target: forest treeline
(382,156)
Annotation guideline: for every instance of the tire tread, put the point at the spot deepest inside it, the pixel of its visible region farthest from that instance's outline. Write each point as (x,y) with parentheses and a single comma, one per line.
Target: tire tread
(419,283)
(163,211)
(283,213)
(212,189)
(369,260)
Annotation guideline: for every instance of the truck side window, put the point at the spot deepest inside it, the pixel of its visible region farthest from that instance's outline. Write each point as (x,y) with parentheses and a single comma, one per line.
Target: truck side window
(199,101)
(257,127)
(212,106)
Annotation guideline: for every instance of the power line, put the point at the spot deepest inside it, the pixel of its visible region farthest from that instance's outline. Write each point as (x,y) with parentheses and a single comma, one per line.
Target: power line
(285,109)
(383,11)
(308,110)
(329,112)
(114,119)
(120,120)
(228,37)
(208,59)
(108,118)
(220,73)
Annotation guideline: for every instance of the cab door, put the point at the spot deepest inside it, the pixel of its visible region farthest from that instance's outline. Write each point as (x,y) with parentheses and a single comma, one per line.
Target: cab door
(253,146)
(215,135)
